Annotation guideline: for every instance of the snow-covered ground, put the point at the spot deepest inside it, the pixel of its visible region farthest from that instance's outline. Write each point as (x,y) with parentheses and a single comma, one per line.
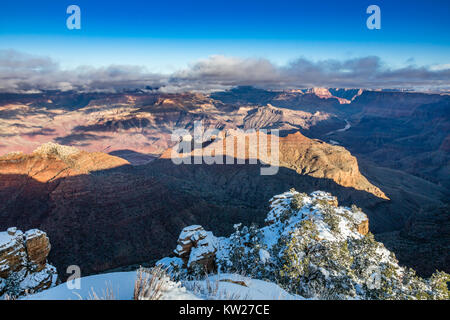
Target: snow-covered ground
(238,287)
(215,287)
(120,284)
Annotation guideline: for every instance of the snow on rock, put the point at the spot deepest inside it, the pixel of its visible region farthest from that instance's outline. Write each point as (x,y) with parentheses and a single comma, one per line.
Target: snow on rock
(172,263)
(310,246)
(54,149)
(196,247)
(264,255)
(23,262)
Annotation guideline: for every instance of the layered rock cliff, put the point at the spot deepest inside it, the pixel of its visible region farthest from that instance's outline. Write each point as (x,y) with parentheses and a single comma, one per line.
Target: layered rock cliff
(23,262)
(306,156)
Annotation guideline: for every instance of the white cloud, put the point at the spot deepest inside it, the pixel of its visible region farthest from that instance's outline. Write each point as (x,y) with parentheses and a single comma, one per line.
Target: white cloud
(23,72)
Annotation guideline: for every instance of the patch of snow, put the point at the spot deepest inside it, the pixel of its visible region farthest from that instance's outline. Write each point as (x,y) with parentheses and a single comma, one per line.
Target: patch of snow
(33,233)
(264,256)
(170,263)
(358,216)
(223,286)
(189,231)
(5,239)
(204,246)
(236,287)
(51,148)
(120,283)
(32,280)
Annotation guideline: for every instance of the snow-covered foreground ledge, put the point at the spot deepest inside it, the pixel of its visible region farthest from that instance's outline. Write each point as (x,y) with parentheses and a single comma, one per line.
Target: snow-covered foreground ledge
(215,287)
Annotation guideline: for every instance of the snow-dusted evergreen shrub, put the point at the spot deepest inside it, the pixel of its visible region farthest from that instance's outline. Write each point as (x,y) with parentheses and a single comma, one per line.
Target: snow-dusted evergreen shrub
(314,248)
(246,252)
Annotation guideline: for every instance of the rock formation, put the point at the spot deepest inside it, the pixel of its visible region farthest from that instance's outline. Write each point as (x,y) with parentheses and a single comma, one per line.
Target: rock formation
(306,156)
(196,247)
(312,247)
(51,161)
(23,262)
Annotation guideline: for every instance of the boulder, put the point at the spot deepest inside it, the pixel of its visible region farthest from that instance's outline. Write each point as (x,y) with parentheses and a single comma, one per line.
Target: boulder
(197,247)
(187,239)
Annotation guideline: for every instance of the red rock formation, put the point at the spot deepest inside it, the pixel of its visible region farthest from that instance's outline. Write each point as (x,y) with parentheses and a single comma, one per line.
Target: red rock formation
(306,156)
(322,160)
(52,161)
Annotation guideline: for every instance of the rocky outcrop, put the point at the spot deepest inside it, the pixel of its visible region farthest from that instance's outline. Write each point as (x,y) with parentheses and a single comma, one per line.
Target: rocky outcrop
(316,250)
(282,119)
(359,219)
(52,161)
(325,197)
(37,246)
(197,248)
(23,262)
(325,93)
(321,160)
(363,227)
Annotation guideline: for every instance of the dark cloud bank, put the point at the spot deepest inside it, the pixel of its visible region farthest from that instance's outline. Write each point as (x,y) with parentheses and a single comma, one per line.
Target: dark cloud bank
(21,72)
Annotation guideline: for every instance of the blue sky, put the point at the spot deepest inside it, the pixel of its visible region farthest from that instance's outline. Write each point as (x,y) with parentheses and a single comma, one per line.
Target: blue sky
(168,35)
